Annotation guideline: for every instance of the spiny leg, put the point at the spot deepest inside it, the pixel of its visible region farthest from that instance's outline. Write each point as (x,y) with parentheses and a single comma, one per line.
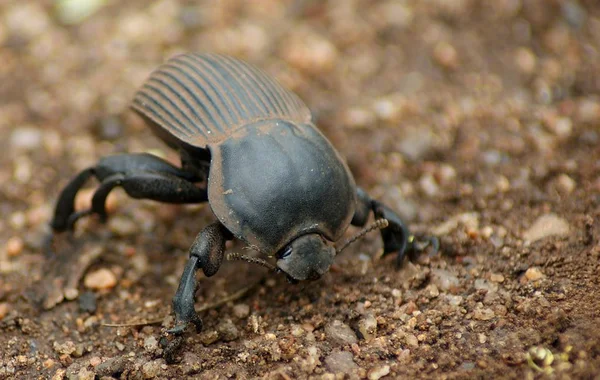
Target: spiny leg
(396,237)
(206,253)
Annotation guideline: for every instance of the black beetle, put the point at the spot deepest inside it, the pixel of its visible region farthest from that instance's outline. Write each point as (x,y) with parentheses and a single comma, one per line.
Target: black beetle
(271,178)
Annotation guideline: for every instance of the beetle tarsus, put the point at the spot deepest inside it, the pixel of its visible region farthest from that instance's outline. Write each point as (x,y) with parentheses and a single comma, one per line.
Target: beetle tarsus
(206,253)
(396,237)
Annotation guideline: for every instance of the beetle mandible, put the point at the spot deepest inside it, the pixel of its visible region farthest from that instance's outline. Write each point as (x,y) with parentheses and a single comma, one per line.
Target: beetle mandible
(272,178)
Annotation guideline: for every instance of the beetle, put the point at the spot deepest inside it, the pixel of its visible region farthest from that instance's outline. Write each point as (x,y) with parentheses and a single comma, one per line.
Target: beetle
(248,148)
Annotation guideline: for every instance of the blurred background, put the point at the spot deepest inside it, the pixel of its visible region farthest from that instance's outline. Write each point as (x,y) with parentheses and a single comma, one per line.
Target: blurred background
(473,118)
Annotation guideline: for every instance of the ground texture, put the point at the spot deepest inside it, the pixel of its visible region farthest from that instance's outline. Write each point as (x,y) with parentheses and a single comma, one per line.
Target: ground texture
(479,121)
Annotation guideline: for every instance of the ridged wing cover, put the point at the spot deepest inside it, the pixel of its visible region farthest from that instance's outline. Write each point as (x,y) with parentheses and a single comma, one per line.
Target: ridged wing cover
(274,181)
(200,99)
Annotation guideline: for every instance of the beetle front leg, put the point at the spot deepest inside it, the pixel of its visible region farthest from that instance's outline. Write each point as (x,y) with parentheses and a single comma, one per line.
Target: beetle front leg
(206,253)
(396,237)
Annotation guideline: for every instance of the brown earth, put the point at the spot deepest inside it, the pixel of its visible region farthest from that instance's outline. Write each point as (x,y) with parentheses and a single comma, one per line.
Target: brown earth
(479,121)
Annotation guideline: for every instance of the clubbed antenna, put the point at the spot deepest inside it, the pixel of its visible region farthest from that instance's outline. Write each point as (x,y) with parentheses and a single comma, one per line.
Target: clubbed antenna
(376,225)
(249,259)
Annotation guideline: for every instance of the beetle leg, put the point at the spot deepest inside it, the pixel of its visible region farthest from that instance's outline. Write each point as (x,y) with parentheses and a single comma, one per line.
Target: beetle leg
(142,176)
(396,237)
(65,207)
(206,253)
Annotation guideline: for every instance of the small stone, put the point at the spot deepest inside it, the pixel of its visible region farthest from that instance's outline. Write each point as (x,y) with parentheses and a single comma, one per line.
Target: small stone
(428,185)
(71,294)
(495,277)
(95,361)
(533,274)
(377,373)
(14,246)
(26,138)
(367,326)
(100,280)
(545,226)
(482,284)
(340,333)
(111,367)
(411,340)
(87,302)
(4,309)
(432,291)
(85,374)
(565,184)
(468,219)
(48,363)
(66,348)
(526,60)
(241,310)
(483,314)
(151,369)
(123,226)
(341,362)
(228,331)
(444,279)
(445,55)
(151,344)
(209,337)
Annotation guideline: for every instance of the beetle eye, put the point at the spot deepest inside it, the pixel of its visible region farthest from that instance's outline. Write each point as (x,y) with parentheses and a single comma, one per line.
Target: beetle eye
(286,253)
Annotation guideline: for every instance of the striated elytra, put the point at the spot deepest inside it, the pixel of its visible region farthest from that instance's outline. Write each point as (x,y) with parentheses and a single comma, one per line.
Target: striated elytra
(248,147)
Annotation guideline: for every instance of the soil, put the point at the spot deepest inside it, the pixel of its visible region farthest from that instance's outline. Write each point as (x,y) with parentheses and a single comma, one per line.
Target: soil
(478,121)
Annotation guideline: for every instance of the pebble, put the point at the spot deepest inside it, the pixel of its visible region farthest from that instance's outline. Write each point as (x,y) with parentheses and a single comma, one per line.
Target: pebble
(100,279)
(209,337)
(495,277)
(66,348)
(150,344)
(228,331)
(565,184)
(468,219)
(14,246)
(445,55)
(341,362)
(87,302)
(377,373)
(123,226)
(444,279)
(483,314)
(526,60)
(545,226)
(241,310)
(340,333)
(85,374)
(4,309)
(482,284)
(533,274)
(26,138)
(151,369)
(368,326)
(429,185)
(432,291)
(411,340)
(95,361)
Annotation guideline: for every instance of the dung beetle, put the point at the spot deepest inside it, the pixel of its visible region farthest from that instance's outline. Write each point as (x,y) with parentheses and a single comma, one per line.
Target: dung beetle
(248,147)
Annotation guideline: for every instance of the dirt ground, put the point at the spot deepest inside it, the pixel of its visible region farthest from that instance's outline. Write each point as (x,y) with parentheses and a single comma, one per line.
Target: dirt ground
(479,121)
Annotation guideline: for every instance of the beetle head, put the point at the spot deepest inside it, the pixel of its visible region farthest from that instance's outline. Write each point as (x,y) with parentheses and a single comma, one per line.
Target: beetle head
(308,257)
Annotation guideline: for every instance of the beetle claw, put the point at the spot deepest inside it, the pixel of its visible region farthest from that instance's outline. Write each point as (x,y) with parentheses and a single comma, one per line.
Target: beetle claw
(420,243)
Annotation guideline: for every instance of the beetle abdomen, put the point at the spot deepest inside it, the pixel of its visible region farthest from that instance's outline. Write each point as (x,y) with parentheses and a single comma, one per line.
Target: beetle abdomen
(202,98)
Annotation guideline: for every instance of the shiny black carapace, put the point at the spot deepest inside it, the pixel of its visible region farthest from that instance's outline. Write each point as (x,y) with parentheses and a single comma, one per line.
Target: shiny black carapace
(248,147)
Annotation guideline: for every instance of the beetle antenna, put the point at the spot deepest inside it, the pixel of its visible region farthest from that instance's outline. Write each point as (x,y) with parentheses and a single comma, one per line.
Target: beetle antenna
(379,224)
(249,259)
